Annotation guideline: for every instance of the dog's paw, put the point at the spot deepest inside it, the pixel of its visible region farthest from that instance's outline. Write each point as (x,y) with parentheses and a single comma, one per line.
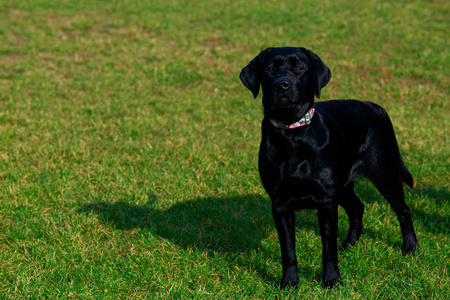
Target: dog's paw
(290,278)
(345,245)
(410,249)
(288,283)
(331,279)
(332,283)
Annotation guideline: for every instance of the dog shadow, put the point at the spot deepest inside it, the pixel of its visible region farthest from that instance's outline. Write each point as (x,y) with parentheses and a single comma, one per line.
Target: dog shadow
(237,225)
(437,198)
(228,225)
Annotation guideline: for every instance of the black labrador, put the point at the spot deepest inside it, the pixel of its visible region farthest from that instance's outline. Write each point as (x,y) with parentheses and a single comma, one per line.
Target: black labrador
(310,154)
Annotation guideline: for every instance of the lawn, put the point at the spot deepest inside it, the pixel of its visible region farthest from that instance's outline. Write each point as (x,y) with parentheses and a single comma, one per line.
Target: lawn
(128,148)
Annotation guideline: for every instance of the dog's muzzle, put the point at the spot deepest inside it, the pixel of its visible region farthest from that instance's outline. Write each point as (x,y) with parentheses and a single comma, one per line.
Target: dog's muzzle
(284,93)
(282,84)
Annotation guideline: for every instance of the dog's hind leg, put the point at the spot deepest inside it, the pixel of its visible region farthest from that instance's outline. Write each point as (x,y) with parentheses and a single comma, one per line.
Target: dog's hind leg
(394,194)
(354,209)
(386,169)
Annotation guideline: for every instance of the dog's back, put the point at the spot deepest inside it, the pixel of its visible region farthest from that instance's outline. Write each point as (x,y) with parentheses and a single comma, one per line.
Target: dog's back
(366,130)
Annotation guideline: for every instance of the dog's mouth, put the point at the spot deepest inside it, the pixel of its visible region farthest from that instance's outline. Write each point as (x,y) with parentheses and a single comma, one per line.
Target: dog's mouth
(286,107)
(283,105)
(284,101)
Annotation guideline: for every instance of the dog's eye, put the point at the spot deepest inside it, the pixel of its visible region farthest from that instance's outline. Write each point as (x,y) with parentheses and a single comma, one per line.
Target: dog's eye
(299,68)
(270,69)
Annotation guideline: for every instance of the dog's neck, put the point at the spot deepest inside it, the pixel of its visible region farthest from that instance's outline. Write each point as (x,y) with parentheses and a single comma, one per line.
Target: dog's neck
(305,120)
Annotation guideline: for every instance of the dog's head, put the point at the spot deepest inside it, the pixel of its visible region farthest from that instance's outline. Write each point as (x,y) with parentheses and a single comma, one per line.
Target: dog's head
(290,77)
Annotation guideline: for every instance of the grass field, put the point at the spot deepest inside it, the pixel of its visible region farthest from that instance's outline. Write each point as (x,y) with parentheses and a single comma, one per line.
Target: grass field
(128,148)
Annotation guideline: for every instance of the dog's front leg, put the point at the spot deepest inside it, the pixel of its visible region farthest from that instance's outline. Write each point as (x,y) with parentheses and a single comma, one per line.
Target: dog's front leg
(285,224)
(328,223)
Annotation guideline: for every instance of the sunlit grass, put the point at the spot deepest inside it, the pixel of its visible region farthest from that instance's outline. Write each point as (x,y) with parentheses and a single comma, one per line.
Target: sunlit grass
(128,157)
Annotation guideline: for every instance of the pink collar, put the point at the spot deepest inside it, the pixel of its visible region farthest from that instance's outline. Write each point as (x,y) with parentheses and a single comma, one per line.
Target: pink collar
(302,122)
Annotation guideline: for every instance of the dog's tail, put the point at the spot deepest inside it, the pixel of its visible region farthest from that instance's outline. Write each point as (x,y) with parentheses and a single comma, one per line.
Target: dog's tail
(406,175)
(404,172)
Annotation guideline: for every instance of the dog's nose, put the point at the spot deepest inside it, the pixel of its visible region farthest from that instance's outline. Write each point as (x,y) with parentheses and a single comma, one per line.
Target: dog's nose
(282,84)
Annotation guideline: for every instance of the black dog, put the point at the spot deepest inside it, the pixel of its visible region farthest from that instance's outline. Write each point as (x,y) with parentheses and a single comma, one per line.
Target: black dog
(311,153)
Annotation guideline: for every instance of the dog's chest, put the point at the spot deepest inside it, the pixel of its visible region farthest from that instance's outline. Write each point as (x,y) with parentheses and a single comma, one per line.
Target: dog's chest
(296,170)
(291,164)
(282,149)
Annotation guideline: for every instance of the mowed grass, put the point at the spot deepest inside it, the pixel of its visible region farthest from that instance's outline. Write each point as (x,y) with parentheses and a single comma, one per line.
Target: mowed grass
(128,148)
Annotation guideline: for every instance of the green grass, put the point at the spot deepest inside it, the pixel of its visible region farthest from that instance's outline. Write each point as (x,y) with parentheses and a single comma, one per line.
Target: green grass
(128,148)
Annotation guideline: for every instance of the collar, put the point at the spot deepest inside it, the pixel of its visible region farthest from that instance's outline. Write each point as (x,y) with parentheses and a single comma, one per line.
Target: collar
(302,122)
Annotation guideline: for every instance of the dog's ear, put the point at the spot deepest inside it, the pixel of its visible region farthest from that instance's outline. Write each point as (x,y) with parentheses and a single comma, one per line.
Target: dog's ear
(321,73)
(251,74)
